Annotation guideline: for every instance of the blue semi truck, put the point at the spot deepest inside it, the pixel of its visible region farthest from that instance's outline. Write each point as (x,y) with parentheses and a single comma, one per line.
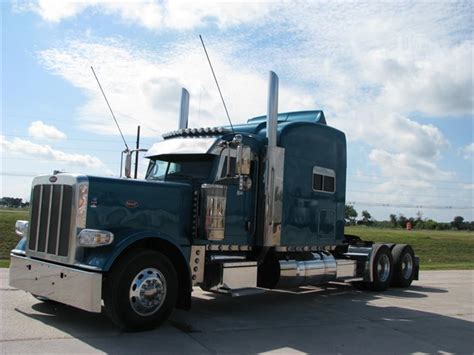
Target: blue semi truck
(237,210)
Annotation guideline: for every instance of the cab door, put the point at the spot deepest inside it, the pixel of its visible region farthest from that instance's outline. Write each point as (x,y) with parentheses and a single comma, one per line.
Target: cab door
(240,208)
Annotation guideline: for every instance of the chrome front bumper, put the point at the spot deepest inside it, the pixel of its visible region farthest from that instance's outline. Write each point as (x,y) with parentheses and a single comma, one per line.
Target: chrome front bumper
(77,288)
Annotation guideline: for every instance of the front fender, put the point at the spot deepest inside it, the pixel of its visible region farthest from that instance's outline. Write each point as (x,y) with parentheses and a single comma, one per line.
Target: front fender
(104,257)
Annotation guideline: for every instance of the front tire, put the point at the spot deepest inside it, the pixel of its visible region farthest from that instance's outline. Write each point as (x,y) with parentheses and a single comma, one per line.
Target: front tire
(141,290)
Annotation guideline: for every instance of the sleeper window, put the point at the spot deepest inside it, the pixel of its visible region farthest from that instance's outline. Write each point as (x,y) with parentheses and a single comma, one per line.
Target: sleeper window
(324,180)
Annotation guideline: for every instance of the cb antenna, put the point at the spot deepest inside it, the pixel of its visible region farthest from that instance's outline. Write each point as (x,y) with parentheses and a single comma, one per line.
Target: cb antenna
(110,108)
(217,83)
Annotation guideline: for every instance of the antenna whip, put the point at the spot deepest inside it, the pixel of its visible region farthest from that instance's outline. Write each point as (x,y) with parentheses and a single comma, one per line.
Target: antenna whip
(217,83)
(110,108)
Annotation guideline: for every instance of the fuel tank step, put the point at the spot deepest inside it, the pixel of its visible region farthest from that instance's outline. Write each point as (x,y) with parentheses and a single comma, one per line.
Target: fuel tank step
(240,292)
(238,279)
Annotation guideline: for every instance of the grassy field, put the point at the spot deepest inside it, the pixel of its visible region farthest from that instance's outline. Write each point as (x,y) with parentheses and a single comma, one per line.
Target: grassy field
(437,250)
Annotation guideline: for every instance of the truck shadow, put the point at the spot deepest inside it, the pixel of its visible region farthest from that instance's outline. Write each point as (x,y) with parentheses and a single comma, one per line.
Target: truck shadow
(333,319)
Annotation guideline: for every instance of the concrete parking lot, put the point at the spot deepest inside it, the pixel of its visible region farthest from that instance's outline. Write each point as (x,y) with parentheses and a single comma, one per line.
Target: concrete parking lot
(435,315)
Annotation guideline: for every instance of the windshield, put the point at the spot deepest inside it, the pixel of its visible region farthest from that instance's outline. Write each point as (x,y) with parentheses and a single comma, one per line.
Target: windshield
(196,166)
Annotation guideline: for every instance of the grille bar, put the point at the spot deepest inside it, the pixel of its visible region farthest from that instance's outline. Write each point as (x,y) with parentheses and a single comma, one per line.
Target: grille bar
(51,219)
(49,214)
(59,219)
(66,220)
(43,218)
(54,219)
(35,202)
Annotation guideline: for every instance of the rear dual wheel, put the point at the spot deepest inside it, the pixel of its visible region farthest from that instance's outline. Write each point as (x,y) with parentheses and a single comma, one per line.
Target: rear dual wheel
(404,265)
(382,270)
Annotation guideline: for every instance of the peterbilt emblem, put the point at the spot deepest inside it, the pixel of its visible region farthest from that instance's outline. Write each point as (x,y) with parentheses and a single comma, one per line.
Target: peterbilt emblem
(53,179)
(94,202)
(131,204)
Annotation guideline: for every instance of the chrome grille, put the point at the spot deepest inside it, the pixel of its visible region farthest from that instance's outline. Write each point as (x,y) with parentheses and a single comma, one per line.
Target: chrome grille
(50,225)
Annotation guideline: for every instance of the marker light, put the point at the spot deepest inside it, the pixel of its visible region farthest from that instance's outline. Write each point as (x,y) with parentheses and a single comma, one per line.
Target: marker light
(92,238)
(21,227)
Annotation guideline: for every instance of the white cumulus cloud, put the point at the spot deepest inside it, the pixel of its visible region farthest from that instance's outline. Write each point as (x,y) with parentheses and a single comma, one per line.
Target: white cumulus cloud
(154,15)
(40,151)
(38,129)
(403,165)
(145,88)
(467,152)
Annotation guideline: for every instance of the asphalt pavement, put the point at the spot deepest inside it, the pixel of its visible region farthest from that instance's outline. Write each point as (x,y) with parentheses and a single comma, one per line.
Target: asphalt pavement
(435,315)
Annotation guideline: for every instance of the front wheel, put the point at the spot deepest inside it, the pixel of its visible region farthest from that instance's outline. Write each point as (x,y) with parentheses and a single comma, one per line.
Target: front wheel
(141,291)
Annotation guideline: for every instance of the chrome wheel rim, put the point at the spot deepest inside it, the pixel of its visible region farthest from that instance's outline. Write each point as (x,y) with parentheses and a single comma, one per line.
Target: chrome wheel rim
(383,268)
(147,291)
(407,266)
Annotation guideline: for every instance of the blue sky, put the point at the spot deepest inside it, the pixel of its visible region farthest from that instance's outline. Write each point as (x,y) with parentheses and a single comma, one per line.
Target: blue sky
(395,77)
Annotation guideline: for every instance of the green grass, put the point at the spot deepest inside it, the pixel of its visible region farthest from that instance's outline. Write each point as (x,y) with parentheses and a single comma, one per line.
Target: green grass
(438,250)
(4,263)
(8,238)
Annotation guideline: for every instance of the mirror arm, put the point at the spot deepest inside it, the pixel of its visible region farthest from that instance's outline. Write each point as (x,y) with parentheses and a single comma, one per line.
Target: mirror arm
(227,173)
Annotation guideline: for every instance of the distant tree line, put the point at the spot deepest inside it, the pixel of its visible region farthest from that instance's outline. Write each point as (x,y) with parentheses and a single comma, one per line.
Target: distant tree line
(13,202)
(401,221)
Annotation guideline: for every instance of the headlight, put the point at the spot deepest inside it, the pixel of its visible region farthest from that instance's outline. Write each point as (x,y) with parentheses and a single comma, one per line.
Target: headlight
(21,227)
(94,238)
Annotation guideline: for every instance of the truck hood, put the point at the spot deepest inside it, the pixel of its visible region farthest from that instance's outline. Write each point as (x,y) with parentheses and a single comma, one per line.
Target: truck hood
(120,204)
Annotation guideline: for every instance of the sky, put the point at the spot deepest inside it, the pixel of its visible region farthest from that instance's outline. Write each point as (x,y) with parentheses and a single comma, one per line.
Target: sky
(396,77)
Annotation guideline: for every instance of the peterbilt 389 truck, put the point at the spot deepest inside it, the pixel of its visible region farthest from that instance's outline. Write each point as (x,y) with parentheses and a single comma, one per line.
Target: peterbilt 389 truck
(235,209)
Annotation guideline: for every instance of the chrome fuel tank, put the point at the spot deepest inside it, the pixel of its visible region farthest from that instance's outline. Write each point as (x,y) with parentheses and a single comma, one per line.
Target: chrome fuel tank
(321,268)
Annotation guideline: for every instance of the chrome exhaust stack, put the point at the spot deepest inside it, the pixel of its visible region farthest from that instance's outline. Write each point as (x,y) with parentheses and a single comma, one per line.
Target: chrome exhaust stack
(184,109)
(272,110)
(273,170)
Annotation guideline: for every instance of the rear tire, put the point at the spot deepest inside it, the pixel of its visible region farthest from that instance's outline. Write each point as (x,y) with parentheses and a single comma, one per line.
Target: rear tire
(382,270)
(141,290)
(404,265)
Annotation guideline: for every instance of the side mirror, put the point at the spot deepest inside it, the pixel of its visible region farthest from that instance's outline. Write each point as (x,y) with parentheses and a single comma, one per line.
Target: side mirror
(243,159)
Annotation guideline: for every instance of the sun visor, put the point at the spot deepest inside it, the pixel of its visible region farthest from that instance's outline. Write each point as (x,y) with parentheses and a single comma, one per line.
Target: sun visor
(198,145)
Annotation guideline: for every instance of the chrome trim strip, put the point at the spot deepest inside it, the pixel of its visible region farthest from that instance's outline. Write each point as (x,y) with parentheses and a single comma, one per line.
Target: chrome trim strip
(196,263)
(226,247)
(273,196)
